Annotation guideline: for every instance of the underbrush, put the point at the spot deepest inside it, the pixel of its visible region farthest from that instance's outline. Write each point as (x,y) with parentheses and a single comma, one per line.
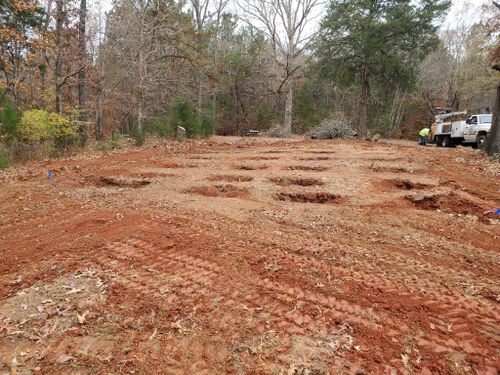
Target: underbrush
(4,160)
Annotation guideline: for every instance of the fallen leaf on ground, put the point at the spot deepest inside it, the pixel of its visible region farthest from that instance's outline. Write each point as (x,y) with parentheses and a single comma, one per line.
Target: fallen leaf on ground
(405,359)
(153,335)
(63,358)
(81,318)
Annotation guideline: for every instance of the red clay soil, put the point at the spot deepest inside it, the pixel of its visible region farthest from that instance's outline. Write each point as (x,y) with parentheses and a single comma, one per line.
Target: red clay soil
(171,277)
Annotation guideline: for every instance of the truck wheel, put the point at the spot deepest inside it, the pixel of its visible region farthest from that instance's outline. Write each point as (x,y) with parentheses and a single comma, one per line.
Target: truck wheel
(446,141)
(481,141)
(438,142)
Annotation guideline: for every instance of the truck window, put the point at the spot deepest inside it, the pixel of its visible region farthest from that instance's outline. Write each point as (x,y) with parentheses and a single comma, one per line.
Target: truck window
(485,119)
(473,120)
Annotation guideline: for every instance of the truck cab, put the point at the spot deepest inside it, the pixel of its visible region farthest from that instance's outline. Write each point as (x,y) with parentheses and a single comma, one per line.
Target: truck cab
(476,130)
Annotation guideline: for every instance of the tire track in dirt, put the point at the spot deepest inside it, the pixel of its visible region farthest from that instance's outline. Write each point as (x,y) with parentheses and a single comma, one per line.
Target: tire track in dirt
(193,273)
(394,274)
(465,315)
(203,273)
(279,305)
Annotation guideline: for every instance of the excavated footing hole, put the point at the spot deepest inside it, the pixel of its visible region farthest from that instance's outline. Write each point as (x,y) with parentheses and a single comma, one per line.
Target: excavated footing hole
(249,167)
(450,203)
(222,191)
(404,184)
(261,158)
(321,152)
(177,166)
(287,181)
(146,175)
(230,178)
(377,168)
(120,182)
(307,197)
(315,158)
(305,168)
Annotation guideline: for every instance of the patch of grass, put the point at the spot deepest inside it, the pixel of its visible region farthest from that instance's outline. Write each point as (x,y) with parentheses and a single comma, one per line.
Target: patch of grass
(4,161)
(103,147)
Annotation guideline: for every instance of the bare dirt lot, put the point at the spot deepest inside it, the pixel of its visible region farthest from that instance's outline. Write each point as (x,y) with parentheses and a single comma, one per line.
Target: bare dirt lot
(251,256)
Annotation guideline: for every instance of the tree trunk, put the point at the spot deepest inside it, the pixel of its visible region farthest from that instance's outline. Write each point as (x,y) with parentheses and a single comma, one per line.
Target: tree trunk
(363,102)
(287,124)
(214,108)
(82,90)
(59,58)
(43,66)
(100,110)
(142,76)
(200,94)
(493,142)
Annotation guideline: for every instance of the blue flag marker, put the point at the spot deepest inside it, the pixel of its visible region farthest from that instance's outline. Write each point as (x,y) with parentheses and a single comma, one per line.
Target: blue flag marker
(497,211)
(49,175)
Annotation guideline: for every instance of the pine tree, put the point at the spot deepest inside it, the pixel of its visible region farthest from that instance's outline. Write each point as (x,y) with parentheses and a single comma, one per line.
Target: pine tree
(370,41)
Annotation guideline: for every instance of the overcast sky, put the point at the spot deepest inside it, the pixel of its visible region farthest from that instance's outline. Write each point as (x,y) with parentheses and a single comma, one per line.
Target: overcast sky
(456,11)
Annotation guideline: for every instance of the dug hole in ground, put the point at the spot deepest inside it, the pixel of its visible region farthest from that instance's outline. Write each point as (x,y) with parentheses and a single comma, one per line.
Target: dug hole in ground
(253,256)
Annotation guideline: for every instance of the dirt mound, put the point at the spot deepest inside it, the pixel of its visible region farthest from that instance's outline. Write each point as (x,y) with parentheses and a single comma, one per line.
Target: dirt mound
(451,203)
(249,167)
(221,191)
(120,182)
(305,168)
(230,178)
(307,197)
(287,181)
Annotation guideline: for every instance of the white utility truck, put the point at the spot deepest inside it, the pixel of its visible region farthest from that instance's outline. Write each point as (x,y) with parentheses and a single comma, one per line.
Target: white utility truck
(449,132)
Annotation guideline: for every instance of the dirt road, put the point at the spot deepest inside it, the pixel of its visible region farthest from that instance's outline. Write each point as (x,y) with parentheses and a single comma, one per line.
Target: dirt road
(252,257)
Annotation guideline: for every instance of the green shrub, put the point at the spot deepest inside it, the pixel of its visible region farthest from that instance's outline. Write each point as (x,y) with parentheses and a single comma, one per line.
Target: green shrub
(38,125)
(138,136)
(207,125)
(4,160)
(35,125)
(103,146)
(181,114)
(116,139)
(264,117)
(10,117)
(160,127)
(64,131)
(61,127)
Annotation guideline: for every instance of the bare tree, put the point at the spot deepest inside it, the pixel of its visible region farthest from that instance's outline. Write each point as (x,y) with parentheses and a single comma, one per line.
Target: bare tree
(142,7)
(285,23)
(59,53)
(203,11)
(82,90)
